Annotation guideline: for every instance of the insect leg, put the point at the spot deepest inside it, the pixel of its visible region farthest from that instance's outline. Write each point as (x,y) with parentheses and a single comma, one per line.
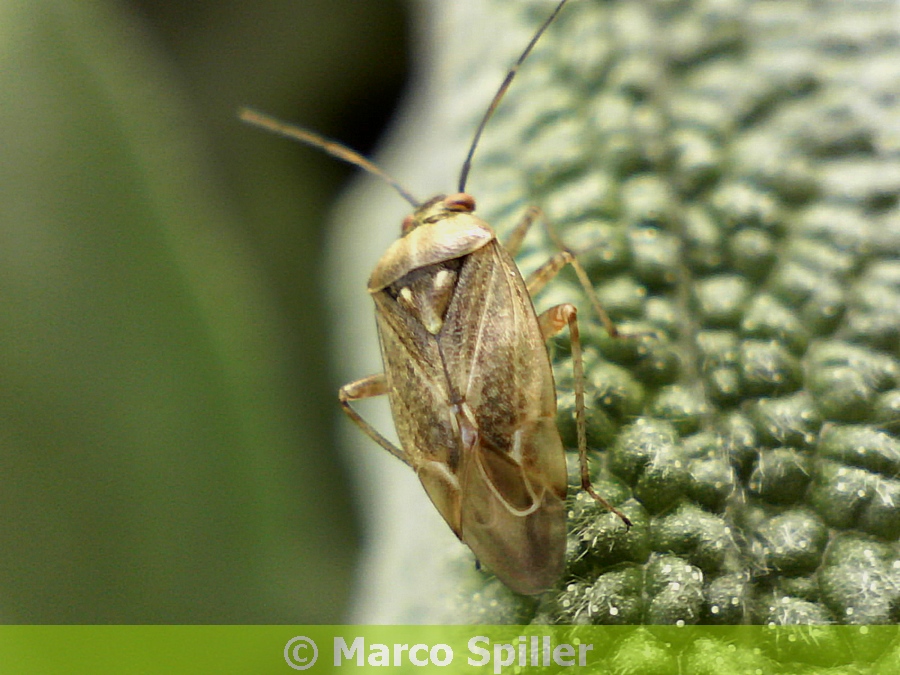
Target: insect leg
(552,322)
(514,242)
(539,278)
(368,387)
(556,318)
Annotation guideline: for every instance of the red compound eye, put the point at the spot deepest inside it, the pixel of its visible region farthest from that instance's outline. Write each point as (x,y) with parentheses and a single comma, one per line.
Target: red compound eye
(460,202)
(408,223)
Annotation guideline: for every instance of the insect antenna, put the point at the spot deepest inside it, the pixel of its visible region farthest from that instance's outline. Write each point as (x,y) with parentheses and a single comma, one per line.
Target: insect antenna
(467,164)
(333,148)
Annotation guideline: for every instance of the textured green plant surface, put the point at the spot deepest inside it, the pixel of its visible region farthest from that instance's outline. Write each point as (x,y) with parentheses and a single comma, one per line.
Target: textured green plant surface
(730,173)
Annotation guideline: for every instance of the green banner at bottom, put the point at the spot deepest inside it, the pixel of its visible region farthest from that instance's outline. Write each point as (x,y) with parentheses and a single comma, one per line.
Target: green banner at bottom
(719,650)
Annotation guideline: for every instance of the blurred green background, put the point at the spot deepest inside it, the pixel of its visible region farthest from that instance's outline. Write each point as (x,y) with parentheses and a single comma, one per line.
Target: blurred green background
(165,407)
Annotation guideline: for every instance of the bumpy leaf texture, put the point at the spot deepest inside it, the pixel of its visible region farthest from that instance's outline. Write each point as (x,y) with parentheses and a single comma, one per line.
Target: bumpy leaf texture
(729,172)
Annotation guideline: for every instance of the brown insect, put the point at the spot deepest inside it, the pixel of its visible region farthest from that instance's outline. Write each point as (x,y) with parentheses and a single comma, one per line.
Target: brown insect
(467,372)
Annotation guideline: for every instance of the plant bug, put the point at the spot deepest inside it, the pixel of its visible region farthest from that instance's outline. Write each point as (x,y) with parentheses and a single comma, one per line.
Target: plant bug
(467,373)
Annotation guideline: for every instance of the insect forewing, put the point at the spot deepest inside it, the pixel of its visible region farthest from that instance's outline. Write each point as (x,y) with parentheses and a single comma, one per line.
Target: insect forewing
(514,479)
(475,407)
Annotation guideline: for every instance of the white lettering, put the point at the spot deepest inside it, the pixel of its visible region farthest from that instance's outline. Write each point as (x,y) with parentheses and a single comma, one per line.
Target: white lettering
(398,654)
(507,659)
(358,646)
(448,655)
(564,655)
(534,651)
(481,651)
(379,655)
(413,659)
(582,653)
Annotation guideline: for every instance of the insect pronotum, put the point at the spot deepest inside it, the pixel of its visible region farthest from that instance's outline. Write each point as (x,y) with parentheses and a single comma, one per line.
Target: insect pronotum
(467,372)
